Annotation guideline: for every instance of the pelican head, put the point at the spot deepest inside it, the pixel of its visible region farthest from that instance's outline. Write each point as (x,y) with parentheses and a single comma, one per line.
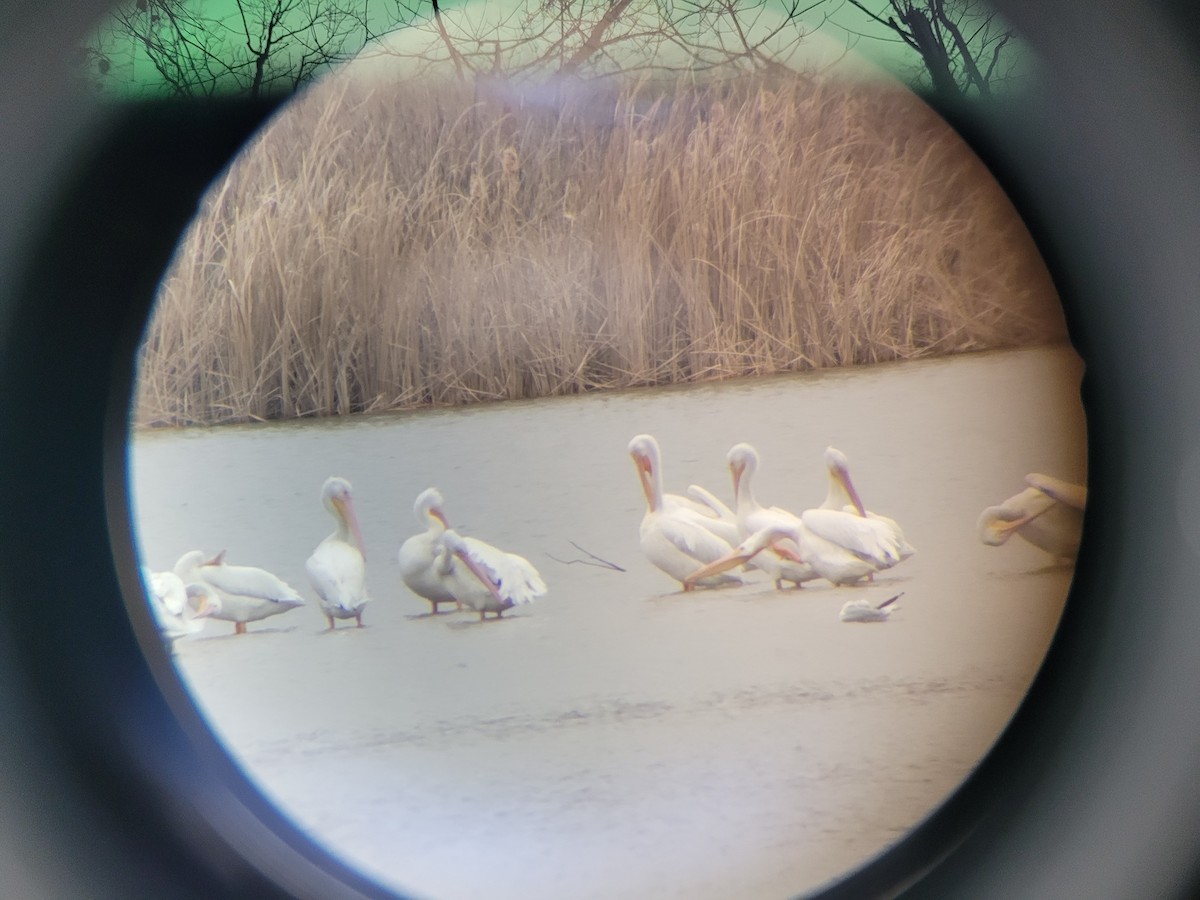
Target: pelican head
(644,450)
(336,497)
(187,564)
(997,524)
(428,505)
(743,462)
(835,460)
(780,538)
(840,482)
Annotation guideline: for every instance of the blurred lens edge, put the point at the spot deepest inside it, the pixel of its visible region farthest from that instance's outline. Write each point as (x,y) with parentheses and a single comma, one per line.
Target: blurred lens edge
(105,793)
(1092,790)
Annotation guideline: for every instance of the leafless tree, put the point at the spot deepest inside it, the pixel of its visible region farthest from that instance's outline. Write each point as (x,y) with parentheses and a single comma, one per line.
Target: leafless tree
(590,38)
(963,45)
(255,47)
(263,46)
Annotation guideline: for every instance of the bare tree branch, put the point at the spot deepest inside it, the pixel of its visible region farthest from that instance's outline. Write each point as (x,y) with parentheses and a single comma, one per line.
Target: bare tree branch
(594,560)
(594,41)
(261,46)
(950,37)
(256,47)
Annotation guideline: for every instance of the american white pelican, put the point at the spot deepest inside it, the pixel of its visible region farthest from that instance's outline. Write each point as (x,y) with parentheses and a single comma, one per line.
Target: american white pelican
(1047,514)
(838,546)
(843,496)
(338,567)
(709,511)
(487,579)
(776,537)
(675,535)
(179,609)
(862,611)
(247,594)
(422,563)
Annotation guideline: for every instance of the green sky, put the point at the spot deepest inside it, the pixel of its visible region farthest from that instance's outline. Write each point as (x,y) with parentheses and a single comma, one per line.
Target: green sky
(835,26)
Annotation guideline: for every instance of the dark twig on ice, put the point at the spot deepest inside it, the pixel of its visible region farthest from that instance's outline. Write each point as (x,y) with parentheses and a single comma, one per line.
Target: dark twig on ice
(595,560)
(890,600)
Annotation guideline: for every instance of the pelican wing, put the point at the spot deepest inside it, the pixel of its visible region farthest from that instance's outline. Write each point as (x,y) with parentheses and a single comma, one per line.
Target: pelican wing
(167,590)
(713,515)
(906,549)
(867,539)
(691,536)
(424,565)
(711,502)
(767,517)
(247,581)
(338,575)
(516,577)
(1072,495)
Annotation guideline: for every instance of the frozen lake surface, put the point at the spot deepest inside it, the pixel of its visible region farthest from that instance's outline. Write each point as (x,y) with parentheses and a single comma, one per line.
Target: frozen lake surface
(619,739)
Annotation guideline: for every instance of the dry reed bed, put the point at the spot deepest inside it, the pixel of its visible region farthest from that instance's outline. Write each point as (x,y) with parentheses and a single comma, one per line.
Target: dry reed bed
(408,245)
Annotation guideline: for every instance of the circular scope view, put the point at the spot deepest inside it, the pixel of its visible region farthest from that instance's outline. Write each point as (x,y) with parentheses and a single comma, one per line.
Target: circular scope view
(585,453)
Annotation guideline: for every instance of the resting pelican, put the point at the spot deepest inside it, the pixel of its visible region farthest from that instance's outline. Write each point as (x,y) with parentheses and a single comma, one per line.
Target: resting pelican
(708,510)
(862,611)
(1047,514)
(838,546)
(247,594)
(179,609)
(421,556)
(843,496)
(674,535)
(338,567)
(485,578)
(777,537)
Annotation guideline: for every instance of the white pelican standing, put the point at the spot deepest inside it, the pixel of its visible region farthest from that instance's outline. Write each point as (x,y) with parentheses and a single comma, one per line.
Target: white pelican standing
(485,578)
(179,609)
(422,562)
(861,611)
(843,496)
(840,547)
(708,510)
(675,535)
(338,567)
(247,594)
(1047,514)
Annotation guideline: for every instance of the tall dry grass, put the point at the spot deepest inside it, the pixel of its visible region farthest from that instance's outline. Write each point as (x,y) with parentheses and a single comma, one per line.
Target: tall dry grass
(389,247)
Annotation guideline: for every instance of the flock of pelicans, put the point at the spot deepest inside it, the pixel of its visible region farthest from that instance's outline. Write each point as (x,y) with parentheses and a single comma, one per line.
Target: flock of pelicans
(696,539)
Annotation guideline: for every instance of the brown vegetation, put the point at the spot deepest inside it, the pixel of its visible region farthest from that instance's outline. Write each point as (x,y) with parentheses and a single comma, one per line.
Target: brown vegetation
(383,247)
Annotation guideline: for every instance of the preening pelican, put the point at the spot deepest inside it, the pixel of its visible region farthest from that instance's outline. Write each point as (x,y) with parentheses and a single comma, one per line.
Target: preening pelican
(421,557)
(843,496)
(776,537)
(862,611)
(837,546)
(247,594)
(179,609)
(487,579)
(708,510)
(676,535)
(338,567)
(1047,514)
